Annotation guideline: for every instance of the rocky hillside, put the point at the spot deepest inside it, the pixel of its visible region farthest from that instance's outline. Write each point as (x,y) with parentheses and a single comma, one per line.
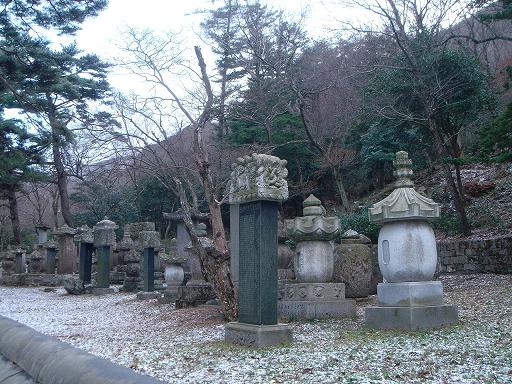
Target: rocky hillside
(488,190)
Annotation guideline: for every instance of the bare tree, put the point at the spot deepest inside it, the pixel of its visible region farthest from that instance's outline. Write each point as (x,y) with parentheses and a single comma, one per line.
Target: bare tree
(164,134)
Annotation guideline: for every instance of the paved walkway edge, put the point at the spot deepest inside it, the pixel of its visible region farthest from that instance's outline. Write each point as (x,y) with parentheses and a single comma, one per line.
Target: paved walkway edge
(50,361)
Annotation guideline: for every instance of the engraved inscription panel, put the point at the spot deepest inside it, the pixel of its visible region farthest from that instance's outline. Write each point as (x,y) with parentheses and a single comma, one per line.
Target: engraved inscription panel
(249,279)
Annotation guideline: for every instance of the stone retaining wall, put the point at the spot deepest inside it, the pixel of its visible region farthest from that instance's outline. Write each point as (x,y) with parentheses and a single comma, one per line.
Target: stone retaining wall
(46,360)
(491,256)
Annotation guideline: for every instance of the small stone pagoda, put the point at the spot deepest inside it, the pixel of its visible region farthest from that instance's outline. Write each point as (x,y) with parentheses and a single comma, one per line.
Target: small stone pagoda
(408,298)
(313,295)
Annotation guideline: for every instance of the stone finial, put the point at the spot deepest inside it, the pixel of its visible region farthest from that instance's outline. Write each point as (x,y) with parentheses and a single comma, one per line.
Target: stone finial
(313,225)
(258,177)
(205,241)
(126,242)
(104,233)
(312,207)
(150,239)
(403,170)
(404,203)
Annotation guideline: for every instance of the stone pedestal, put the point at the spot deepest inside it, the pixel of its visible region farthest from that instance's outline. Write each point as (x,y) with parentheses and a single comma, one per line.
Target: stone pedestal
(132,270)
(66,246)
(258,183)
(315,301)
(407,253)
(258,336)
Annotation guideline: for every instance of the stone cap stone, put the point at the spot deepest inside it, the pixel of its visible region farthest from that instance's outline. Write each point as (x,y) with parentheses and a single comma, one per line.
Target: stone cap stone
(258,177)
(64,230)
(42,226)
(178,215)
(50,244)
(104,233)
(313,225)
(85,234)
(404,203)
(149,239)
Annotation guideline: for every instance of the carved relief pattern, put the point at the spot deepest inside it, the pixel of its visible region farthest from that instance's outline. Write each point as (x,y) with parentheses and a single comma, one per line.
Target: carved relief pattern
(258,177)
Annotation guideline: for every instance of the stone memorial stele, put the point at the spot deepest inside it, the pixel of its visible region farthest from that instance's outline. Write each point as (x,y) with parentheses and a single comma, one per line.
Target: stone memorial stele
(258,184)
(51,256)
(42,233)
(149,240)
(313,295)
(86,239)
(104,239)
(67,255)
(408,298)
(19,266)
(197,290)
(182,236)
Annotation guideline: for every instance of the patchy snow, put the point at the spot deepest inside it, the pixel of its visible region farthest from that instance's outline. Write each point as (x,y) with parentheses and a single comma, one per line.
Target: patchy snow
(186,346)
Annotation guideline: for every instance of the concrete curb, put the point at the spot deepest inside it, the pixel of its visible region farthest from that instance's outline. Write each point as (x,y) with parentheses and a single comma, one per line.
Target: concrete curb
(50,361)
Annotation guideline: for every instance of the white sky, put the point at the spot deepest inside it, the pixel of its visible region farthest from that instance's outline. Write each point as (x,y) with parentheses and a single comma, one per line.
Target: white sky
(101,35)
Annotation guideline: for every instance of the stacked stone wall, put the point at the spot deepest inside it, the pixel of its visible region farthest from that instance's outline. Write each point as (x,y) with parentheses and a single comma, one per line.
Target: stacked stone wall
(489,256)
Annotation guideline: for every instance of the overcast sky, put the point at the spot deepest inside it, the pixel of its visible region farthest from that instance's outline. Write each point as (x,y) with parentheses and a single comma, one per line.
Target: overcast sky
(101,35)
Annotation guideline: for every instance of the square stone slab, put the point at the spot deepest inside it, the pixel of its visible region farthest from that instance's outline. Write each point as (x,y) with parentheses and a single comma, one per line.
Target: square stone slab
(316,309)
(410,294)
(258,336)
(411,318)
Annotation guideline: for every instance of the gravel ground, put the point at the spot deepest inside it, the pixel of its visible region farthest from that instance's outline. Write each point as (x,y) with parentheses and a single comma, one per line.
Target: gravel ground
(186,346)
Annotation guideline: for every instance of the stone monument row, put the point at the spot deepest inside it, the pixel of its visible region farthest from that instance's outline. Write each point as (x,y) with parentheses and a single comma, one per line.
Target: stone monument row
(408,298)
(258,184)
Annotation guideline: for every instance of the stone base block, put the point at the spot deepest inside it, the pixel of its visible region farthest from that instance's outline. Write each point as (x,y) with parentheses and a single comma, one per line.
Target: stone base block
(117,277)
(411,318)
(411,294)
(168,296)
(192,295)
(130,284)
(293,291)
(316,309)
(258,336)
(148,295)
(101,291)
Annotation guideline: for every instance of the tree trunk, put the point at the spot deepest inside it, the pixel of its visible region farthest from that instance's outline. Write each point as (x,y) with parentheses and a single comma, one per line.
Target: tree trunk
(215,264)
(13,211)
(456,194)
(62,184)
(345,204)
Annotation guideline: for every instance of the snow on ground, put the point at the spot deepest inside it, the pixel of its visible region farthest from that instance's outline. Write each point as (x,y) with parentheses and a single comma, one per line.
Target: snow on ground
(186,346)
